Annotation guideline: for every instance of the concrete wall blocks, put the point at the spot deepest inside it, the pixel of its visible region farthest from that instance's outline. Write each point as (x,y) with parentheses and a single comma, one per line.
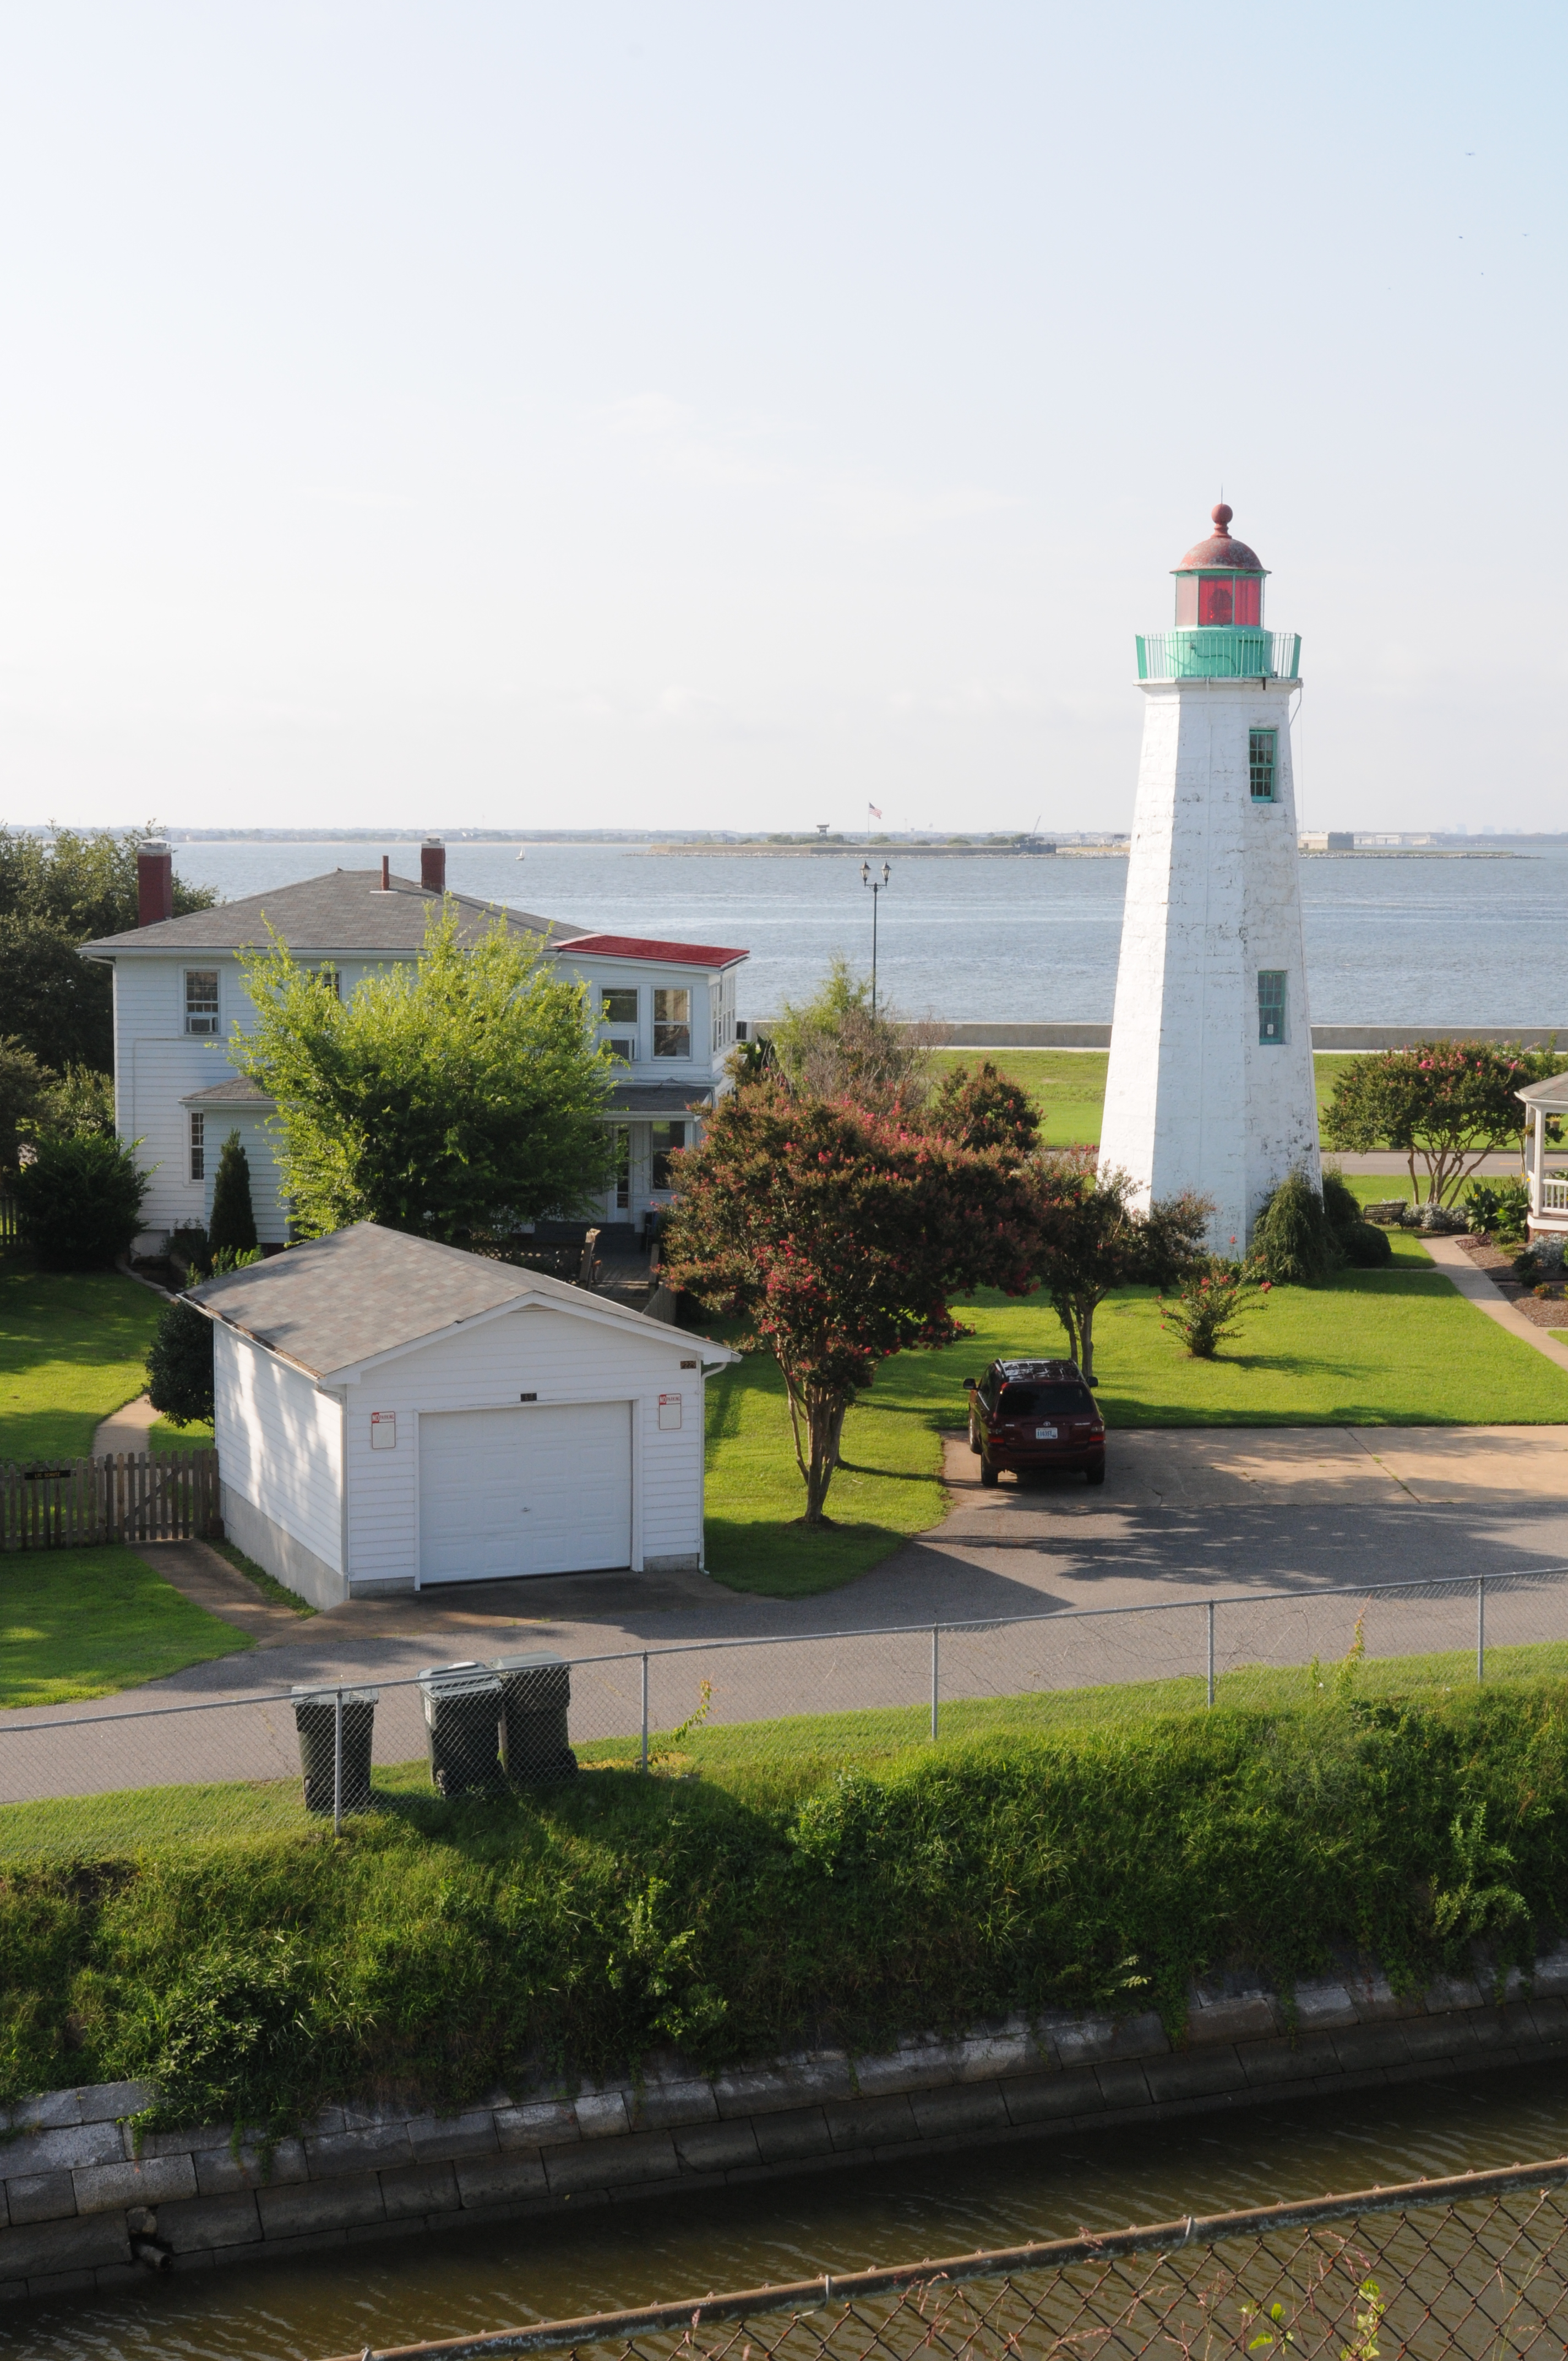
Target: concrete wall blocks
(71,2169)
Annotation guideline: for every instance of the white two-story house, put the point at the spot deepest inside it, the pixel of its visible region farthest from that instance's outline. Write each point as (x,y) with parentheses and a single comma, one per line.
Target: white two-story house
(666,1009)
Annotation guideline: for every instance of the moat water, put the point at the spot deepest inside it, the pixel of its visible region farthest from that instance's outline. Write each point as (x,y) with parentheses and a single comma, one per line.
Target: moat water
(607,2257)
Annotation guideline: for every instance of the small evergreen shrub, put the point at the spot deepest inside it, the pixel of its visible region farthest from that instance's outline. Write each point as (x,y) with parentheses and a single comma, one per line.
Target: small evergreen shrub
(232,1223)
(79,1202)
(180,1366)
(1292,1240)
(1366,1247)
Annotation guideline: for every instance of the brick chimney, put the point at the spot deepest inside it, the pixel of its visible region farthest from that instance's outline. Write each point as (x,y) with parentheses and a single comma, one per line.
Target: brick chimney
(432,865)
(155,882)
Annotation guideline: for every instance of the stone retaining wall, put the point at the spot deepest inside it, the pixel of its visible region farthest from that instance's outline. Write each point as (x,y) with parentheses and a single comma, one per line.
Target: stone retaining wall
(77,2193)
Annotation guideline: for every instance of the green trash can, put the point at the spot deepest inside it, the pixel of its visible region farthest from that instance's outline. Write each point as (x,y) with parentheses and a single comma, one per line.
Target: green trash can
(535,1692)
(315,1718)
(462,1729)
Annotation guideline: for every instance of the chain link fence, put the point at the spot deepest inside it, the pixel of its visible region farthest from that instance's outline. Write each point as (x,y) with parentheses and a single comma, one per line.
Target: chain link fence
(110,1777)
(1475,2267)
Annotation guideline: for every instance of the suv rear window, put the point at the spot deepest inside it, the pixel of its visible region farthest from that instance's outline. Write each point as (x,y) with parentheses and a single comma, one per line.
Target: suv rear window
(1027,1401)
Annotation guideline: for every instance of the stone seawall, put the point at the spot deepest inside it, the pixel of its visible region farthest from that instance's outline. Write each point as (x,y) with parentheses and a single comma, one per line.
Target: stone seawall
(82,2202)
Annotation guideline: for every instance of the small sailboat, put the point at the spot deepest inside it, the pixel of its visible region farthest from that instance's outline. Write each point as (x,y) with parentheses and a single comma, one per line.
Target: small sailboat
(522,856)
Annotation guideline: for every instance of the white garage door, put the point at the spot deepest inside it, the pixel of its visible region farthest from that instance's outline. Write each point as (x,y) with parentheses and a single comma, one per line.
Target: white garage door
(524,1491)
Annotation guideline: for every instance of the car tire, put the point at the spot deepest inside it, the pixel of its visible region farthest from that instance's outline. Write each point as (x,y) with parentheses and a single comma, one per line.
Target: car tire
(1095,1471)
(988,1474)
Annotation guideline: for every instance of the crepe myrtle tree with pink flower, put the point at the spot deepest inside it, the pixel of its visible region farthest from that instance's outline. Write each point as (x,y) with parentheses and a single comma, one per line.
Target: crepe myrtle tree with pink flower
(1441,1104)
(840,1235)
(1209,1304)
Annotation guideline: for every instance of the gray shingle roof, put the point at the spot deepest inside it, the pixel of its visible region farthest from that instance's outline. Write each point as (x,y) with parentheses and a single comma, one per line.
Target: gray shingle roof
(344,911)
(1551,1093)
(658,1098)
(238,1090)
(363,1291)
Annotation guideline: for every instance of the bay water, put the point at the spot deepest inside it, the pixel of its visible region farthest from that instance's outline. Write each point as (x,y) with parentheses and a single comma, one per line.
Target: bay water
(1027,939)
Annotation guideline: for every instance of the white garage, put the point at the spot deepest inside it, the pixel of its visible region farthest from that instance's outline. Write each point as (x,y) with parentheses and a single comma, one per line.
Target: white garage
(393,1415)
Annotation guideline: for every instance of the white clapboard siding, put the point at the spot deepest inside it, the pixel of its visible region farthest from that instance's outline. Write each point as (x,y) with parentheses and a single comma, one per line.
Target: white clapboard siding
(559,1357)
(280,1443)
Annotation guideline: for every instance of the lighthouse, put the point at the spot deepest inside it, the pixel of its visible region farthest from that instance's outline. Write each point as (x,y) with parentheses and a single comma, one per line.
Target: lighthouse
(1211,1082)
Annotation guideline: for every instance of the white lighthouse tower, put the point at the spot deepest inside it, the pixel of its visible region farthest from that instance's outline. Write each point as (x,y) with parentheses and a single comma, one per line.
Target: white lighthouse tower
(1211,1082)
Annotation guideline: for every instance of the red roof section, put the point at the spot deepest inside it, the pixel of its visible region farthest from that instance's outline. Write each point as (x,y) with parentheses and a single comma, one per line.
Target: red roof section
(1220,554)
(645,947)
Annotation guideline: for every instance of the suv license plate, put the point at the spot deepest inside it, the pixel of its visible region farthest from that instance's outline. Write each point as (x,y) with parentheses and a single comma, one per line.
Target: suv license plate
(1045,1434)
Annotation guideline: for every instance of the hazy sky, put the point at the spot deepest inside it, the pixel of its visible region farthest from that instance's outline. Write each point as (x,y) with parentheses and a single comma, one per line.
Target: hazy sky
(725,414)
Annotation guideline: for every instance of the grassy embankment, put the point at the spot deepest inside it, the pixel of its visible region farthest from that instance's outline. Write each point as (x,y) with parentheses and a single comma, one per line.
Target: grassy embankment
(439,1948)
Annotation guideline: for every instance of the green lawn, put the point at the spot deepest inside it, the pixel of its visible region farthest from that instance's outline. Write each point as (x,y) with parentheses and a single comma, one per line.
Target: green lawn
(767,1761)
(161,1436)
(86,1622)
(70,1352)
(887,1489)
(1392,1348)
(1069,1085)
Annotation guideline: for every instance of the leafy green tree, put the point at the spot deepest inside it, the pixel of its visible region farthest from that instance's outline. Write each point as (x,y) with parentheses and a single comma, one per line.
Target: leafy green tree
(180,1366)
(1091,1239)
(839,1237)
(56,892)
(232,1221)
(1444,1104)
(23,1081)
(75,1105)
(78,1202)
(454,1097)
(985,1110)
(833,1046)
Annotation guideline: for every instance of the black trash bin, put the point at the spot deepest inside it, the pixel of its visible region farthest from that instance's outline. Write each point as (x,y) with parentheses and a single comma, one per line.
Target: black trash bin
(535,1692)
(462,1727)
(315,1718)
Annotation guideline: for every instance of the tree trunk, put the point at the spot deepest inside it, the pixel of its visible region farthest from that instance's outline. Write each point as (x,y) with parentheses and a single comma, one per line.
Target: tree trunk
(1085,1357)
(824,1424)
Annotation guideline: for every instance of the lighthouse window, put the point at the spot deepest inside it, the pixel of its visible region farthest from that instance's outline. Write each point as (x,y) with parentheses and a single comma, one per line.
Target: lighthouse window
(1262,746)
(1270,1005)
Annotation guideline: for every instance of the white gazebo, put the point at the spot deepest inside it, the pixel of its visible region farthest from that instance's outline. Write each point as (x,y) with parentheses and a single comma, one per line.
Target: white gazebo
(1548,1191)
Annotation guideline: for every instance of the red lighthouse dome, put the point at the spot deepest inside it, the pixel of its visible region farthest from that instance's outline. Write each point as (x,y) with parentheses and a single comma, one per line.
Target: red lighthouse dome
(1219,581)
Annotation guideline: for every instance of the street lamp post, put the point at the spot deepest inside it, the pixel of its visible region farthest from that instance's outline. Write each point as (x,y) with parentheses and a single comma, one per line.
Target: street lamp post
(877,885)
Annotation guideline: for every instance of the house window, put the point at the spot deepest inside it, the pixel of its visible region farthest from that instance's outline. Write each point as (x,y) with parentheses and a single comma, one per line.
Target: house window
(618,1007)
(667,1137)
(622,1049)
(200,1000)
(1261,748)
(1271,1005)
(672,1024)
(198,1147)
(329,977)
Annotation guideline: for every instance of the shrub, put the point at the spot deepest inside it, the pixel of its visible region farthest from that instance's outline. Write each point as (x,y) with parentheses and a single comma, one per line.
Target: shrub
(180,1366)
(1291,1240)
(1208,1306)
(78,1202)
(1366,1248)
(233,1221)
(1499,1208)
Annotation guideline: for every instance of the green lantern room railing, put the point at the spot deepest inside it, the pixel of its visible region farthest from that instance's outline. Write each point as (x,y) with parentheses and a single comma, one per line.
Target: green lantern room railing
(1220,653)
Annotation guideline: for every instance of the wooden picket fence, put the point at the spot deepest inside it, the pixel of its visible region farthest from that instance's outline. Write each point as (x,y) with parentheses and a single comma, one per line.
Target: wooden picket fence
(128,1497)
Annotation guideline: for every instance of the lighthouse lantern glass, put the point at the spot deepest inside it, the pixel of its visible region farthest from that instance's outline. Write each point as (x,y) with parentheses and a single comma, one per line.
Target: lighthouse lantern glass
(1207,600)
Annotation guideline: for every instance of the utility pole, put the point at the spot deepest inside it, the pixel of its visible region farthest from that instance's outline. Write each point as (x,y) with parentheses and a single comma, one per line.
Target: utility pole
(878,885)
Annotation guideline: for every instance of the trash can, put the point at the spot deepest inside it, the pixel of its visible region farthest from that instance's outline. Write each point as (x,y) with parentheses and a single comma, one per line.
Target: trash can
(315,1718)
(535,1692)
(461,1717)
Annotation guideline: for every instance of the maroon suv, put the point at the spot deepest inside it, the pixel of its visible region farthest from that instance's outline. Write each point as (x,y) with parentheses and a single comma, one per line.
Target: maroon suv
(1031,1415)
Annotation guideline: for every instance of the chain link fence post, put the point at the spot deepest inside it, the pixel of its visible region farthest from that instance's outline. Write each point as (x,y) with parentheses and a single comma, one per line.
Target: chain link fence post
(1210,1623)
(337,1767)
(1480,1627)
(936,1637)
(644,1762)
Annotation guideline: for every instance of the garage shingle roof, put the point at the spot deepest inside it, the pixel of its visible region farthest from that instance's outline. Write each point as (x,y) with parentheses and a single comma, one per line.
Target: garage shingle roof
(364,1291)
(344,911)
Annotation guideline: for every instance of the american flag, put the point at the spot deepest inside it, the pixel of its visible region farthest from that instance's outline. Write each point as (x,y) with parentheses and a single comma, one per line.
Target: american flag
(873,811)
